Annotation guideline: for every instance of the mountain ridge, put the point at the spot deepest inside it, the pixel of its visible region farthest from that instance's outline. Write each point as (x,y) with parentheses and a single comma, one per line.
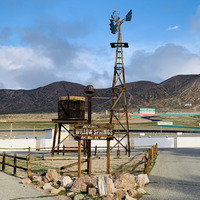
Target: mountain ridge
(172,93)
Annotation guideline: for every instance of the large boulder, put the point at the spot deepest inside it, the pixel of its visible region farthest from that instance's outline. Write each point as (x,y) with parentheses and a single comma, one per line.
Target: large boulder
(107,198)
(142,179)
(67,182)
(68,198)
(50,175)
(57,182)
(92,191)
(129,198)
(125,181)
(132,192)
(37,178)
(141,191)
(120,194)
(82,184)
(79,197)
(55,191)
(105,185)
(48,186)
(26,181)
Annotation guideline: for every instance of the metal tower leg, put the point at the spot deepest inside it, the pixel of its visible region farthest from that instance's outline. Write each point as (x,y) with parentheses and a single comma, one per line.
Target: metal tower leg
(118,110)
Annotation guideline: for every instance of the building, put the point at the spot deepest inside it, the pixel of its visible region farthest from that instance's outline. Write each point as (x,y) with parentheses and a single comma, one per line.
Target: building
(147,111)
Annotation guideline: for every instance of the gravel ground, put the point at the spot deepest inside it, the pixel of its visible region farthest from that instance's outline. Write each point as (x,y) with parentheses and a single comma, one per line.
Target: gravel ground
(13,189)
(175,175)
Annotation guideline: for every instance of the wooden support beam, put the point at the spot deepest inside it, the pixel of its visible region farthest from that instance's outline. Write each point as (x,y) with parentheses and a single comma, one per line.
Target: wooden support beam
(72,172)
(79,158)
(84,148)
(59,136)
(54,139)
(108,156)
(64,139)
(119,142)
(89,158)
(71,165)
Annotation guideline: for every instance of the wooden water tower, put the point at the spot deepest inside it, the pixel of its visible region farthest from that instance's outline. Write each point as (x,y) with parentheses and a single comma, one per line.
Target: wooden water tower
(71,110)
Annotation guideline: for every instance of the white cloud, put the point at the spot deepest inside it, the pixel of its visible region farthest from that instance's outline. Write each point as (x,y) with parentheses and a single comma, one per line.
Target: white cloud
(165,62)
(173,28)
(195,21)
(32,67)
(17,66)
(28,68)
(12,58)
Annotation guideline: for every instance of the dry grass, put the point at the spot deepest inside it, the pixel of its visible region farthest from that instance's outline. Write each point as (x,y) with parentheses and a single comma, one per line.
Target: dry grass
(42,117)
(44,120)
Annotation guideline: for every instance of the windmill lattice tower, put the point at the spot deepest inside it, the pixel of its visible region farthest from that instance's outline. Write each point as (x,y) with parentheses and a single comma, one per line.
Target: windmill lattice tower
(118,109)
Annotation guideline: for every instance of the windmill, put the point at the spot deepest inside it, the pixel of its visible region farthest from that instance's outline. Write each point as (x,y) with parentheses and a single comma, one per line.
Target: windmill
(118,109)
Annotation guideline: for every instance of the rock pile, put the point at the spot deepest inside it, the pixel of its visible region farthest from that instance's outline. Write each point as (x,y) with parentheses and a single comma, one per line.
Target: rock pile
(125,186)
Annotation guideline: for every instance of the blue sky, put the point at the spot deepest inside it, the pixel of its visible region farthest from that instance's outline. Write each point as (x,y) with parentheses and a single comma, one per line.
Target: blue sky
(43,41)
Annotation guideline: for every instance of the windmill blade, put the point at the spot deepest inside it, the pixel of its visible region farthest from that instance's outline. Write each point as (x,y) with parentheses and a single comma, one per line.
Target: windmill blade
(129,15)
(113,27)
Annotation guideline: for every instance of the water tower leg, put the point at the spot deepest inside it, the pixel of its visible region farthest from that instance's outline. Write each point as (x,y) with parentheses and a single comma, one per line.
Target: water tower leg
(108,156)
(54,139)
(79,158)
(59,133)
(89,157)
(84,147)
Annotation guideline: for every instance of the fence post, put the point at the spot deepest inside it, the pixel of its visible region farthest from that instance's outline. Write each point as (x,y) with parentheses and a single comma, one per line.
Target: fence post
(95,151)
(118,153)
(152,153)
(146,162)
(3,161)
(15,165)
(126,152)
(29,151)
(156,148)
(28,166)
(63,150)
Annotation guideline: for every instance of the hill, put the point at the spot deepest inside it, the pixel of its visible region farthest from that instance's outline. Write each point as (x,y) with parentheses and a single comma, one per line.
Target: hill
(173,93)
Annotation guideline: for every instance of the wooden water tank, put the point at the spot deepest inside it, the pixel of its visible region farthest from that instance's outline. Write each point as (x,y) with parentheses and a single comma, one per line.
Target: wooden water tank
(71,107)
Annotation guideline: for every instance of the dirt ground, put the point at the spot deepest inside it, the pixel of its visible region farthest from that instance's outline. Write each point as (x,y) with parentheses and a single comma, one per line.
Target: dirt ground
(99,162)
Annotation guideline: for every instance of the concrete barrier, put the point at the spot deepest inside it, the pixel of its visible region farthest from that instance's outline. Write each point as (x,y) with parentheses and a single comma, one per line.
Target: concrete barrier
(10,144)
(103,143)
(163,142)
(188,142)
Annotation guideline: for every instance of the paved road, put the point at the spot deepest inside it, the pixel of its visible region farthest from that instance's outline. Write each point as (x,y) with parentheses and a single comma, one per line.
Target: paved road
(12,189)
(176,175)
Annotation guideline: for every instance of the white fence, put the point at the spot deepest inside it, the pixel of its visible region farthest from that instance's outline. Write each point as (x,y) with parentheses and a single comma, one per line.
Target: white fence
(163,142)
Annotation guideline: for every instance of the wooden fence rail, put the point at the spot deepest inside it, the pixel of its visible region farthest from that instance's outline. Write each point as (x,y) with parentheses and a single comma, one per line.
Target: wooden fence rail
(14,165)
(146,160)
(149,157)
